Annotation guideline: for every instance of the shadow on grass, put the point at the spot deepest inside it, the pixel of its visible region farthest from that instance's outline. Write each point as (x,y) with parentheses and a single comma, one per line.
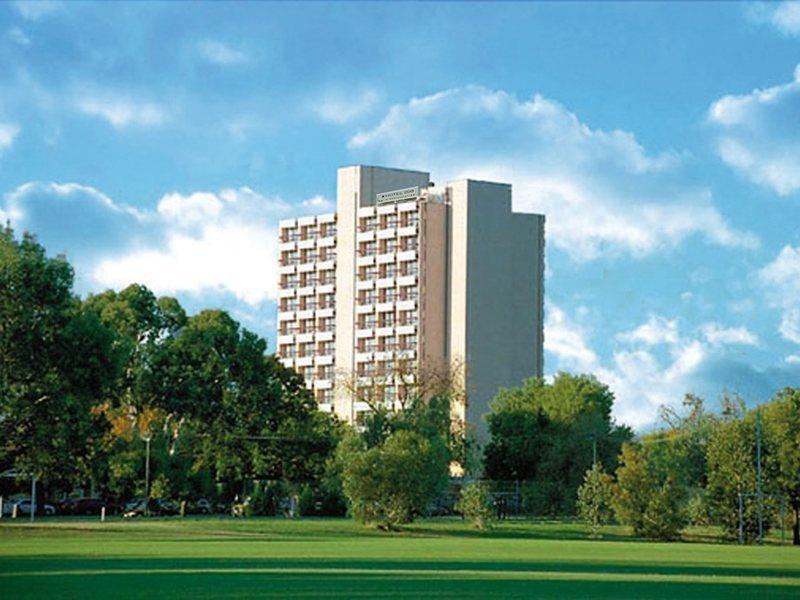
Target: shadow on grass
(252,585)
(65,564)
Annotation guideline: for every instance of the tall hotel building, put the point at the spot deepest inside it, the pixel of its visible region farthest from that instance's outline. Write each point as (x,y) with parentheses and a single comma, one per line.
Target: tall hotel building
(407,278)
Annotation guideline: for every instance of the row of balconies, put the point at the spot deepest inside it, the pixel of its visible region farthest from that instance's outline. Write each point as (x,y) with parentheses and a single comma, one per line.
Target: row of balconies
(366,356)
(289,244)
(399,305)
(387,209)
(311,360)
(297,315)
(386,257)
(371,235)
(305,337)
(306,267)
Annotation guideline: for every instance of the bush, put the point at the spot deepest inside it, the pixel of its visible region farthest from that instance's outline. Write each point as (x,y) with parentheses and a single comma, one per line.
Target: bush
(652,507)
(265,501)
(594,499)
(475,504)
(393,483)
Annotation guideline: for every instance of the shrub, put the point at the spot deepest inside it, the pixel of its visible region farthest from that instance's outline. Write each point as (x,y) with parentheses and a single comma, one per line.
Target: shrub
(393,483)
(475,504)
(594,498)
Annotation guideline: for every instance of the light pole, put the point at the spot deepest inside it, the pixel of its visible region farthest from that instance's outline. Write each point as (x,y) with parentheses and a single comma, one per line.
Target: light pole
(146,439)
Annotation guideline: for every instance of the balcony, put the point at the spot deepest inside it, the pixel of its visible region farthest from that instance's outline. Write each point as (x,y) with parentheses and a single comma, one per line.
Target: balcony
(324,360)
(386,257)
(365,236)
(365,332)
(364,261)
(405,255)
(365,356)
(406,329)
(407,304)
(324,336)
(304,361)
(387,234)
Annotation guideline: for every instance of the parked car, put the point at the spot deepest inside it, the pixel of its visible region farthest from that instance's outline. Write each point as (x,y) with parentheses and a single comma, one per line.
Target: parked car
(156,507)
(201,506)
(85,506)
(24,507)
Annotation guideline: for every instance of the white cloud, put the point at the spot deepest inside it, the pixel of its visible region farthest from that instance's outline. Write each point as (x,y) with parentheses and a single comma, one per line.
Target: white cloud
(343,107)
(719,335)
(121,111)
(16,35)
(8,132)
(758,134)
(221,54)
(567,340)
(602,192)
(781,278)
(652,365)
(657,330)
(790,325)
(33,11)
(210,242)
(784,16)
(793,359)
(319,203)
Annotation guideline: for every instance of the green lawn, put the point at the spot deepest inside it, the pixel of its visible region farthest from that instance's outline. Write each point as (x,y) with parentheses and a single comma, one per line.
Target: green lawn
(216,557)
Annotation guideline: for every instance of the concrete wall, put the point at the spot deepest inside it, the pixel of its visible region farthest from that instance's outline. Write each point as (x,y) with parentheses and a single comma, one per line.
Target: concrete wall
(496,299)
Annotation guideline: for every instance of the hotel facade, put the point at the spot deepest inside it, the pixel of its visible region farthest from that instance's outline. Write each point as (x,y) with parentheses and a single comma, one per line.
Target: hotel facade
(407,280)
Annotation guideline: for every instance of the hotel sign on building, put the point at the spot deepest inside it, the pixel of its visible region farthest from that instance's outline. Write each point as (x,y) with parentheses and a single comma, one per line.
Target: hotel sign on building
(411,193)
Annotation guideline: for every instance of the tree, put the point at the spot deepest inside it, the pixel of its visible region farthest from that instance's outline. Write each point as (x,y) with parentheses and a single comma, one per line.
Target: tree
(650,502)
(731,457)
(548,433)
(475,504)
(594,499)
(56,363)
(393,483)
(253,417)
(782,437)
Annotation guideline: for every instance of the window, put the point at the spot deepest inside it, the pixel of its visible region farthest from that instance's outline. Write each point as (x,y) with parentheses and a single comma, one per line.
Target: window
(387,319)
(367,223)
(307,349)
(325,372)
(310,279)
(289,304)
(410,268)
(287,351)
(389,245)
(389,221)
(326,324)
(410,243)
(366,345)
(409,293)
(289,281)
(367,297)
(326,301)
(367,249)
(326,348)
(309,255)
(389,270)
(387,344)
(309,232)
(388,295)
(367,321)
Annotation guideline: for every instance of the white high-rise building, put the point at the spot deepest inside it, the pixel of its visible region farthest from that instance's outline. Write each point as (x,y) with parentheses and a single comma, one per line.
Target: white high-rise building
(407,278)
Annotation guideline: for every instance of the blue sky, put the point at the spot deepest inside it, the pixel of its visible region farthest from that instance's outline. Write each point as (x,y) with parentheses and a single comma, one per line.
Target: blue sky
(161,143)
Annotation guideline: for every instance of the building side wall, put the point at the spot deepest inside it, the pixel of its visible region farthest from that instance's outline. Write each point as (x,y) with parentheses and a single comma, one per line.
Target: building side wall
(457,326)
(348,186)
(503,304)
(433,261)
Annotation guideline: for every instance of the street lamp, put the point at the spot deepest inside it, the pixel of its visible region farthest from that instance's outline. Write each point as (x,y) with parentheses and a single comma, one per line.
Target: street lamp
(146,439)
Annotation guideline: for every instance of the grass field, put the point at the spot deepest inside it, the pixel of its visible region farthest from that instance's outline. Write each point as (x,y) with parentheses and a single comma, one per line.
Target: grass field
(221,557)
